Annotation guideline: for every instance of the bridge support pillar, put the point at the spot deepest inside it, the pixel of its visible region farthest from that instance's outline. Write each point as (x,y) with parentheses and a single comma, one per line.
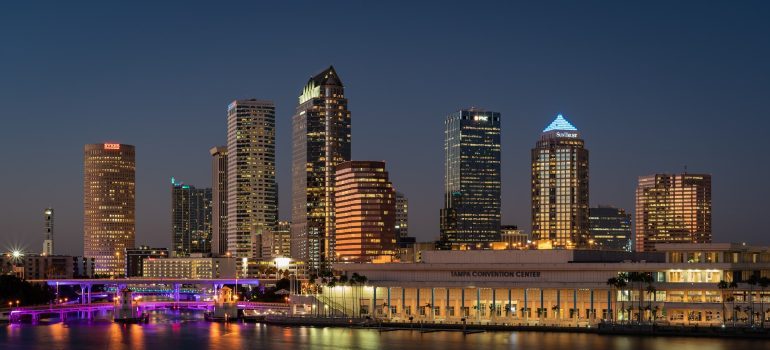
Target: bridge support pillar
(177,288)
(88,293)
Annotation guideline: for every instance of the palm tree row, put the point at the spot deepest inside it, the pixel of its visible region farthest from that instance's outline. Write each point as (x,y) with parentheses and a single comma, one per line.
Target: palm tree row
(637,280)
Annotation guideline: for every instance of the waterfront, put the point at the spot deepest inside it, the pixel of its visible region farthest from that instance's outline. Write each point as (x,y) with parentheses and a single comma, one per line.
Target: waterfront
(196,334)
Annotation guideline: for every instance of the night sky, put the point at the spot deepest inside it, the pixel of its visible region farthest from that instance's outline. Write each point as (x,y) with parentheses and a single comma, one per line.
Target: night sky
(652,86)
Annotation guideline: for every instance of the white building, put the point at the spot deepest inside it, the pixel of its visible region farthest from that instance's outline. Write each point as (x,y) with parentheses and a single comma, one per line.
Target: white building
(191,268)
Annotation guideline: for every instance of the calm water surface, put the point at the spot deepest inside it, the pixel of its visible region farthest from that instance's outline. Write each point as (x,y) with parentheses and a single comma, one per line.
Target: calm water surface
(198,334)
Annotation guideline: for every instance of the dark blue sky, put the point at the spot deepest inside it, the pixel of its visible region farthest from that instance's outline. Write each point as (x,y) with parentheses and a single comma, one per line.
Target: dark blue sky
(653,86)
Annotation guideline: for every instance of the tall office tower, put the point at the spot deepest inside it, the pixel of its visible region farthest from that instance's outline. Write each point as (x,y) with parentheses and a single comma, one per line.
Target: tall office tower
(252,196)
(321,140)
(48,236)
(610,228)
(402,216)
(219,201)
(190,219)
(365,213)
(560,187)
(109,194)
(471,213)
(673,208)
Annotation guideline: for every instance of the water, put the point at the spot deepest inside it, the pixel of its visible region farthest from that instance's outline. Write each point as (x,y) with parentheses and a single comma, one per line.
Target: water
(189,334)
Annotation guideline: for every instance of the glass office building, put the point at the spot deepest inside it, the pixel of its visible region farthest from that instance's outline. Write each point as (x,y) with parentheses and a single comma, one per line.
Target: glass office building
(673,208)
(471,213)
(321,140)
(191,219)
(610,228)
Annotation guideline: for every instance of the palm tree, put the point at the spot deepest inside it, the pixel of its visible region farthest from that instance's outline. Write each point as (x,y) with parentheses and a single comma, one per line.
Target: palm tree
(733,286)
(651,293)
(763,282)
(723,285)
(752,281)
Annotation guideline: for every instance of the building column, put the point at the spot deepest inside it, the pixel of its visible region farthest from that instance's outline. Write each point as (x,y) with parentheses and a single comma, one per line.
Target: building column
(478,304)
(574,305)
(558,304)
(88,290)
(493,309)
(417,303)
(446,312)
(176,292)
(510,304)
(403,302)
(374,303)
(462,302)
(542,305)
(526,306)
(432,304)
(592,313)
(390,307)
(611,312)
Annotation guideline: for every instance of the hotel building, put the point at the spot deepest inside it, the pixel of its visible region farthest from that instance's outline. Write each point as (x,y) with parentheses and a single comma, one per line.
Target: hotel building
(252,195)
(135,259)
(321,140)
(672,208)
(471,213)
(560,187)
(109,192)
(190,219)
(365,213)
(219,200)
(189,268)
(610,228)
(563,287)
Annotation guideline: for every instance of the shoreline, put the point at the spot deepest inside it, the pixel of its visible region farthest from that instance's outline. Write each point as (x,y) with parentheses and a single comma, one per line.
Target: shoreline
(604,329)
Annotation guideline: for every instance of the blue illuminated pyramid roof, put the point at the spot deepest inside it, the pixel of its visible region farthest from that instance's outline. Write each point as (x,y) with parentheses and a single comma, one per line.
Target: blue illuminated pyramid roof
(560,124)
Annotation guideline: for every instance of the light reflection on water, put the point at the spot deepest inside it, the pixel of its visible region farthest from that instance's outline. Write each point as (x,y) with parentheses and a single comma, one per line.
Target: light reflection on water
(187,334)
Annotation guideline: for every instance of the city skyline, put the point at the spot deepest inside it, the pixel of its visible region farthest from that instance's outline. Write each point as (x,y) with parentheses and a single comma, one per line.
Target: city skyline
(713,108)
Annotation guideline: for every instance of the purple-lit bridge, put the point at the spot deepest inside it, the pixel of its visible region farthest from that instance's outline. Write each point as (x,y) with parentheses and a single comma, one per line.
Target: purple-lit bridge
(62,311)
(174,284)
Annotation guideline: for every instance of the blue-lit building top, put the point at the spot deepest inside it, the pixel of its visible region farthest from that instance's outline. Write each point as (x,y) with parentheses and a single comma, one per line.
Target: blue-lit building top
(471,213)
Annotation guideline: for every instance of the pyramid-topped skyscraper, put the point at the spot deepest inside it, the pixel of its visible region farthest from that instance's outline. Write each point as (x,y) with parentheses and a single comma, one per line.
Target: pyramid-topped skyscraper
(321,140)
(560,187)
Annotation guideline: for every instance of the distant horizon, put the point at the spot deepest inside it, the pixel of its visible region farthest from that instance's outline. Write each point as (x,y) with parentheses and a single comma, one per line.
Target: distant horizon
(652,88)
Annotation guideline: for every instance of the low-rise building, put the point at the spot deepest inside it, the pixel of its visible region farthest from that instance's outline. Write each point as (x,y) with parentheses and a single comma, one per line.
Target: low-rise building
(135,259)
(57,267)
(678,284)
(192,268)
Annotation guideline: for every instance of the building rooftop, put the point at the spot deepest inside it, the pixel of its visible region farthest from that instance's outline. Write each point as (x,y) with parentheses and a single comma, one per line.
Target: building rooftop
(560,124)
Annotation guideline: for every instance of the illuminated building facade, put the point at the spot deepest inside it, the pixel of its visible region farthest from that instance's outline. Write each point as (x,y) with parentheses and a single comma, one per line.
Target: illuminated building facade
(189,268)
(402,216)
(48,236)
(109,192)
(135,259)
(673,208)
(365,213)
(321,140)
(471,213)
(610,228)
(252,194)
(511,238)
(278,244)
(219,201)
(560,187)
(190,219)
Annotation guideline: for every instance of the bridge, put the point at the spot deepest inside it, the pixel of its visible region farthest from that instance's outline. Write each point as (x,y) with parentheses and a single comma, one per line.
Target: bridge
(34,313)
(175,284)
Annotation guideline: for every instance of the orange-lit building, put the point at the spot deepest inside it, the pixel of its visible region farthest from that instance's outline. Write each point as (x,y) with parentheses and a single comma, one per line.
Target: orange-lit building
(672,208)
(109,192)
(365,213)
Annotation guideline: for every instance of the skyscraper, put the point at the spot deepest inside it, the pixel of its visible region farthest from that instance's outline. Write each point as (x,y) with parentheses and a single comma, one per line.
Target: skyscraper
(402,216)
(278,244)
(560,187)
(471,213)
(219,200)
(365,212)
(252,198)
(610,228)
(109,192)
(321,140)
(48,236)
(190,219)
(673,208)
